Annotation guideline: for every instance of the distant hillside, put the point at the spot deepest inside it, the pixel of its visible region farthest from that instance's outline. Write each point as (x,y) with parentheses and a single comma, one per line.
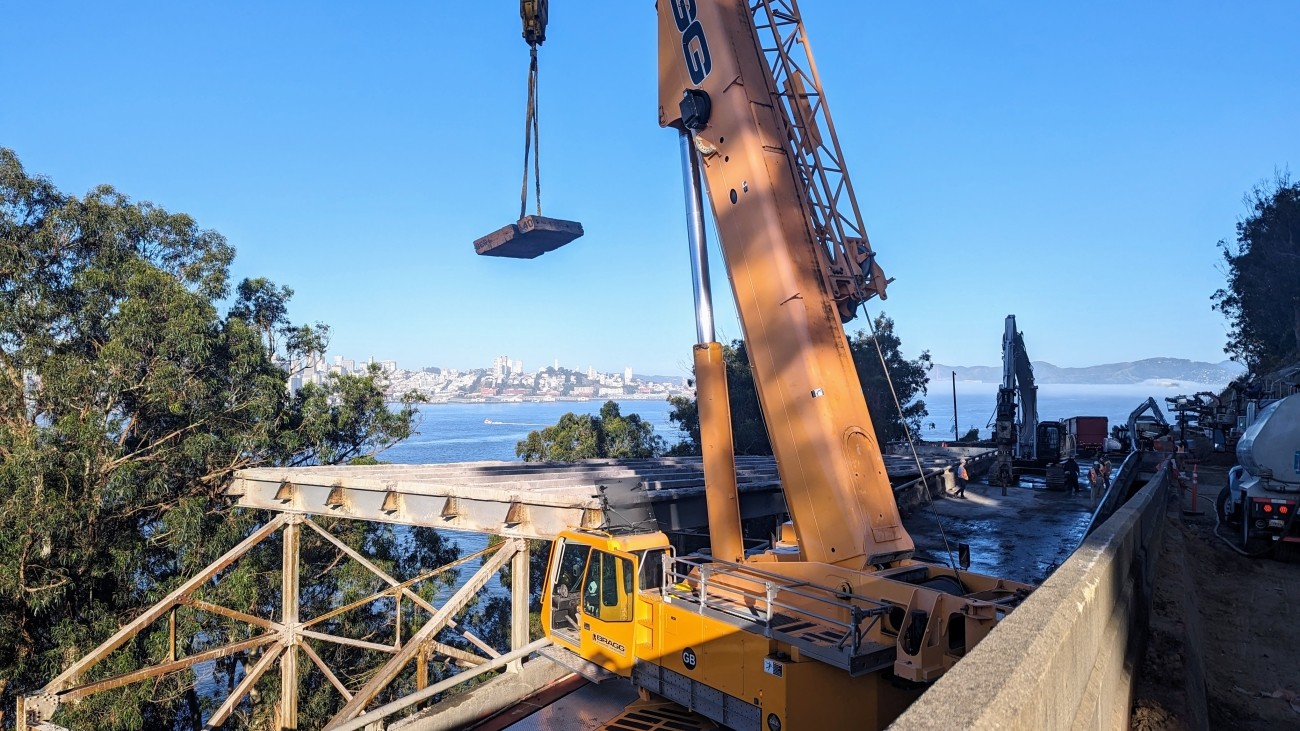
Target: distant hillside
(1163,369)
(657,379)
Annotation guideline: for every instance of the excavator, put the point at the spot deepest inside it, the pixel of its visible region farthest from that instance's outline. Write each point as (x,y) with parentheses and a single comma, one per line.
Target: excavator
(835,625)
(1024,443)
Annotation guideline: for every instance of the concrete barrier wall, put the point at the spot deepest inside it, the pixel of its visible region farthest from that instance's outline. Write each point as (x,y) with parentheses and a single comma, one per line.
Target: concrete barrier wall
(1065,658)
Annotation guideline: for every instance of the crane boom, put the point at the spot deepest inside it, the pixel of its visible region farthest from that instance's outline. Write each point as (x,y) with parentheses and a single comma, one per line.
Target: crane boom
(779,638)
(797,257)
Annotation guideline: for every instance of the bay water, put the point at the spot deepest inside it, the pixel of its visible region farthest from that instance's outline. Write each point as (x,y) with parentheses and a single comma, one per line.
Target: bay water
(471,432)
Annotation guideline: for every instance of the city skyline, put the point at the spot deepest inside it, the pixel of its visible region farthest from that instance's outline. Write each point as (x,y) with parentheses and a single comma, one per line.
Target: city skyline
(517,366)
(1073,165)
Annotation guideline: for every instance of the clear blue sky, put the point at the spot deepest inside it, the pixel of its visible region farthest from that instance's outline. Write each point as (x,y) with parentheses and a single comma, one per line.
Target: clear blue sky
(1073,164)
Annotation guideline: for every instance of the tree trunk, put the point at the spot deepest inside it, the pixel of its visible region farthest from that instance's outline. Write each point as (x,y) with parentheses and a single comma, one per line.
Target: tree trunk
(1295,323)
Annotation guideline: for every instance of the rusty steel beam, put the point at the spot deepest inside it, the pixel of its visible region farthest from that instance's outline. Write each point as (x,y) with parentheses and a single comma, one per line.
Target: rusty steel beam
(491,497)
(153,671)
(406,591)
(329,674)
(363,644)
(289,597)
(68,677)
(201,605)
(446,684)
(250,679)
(488,497)
(390,670)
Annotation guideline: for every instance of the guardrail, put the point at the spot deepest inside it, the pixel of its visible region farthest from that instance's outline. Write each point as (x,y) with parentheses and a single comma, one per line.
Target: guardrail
(1119,488)
(768,600)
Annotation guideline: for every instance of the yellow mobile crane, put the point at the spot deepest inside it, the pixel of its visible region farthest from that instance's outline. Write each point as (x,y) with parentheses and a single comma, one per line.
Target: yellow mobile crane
(835,626)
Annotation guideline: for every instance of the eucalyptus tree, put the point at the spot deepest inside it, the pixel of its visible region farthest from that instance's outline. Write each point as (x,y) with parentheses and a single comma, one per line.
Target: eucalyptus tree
(128,398)
(1261,298)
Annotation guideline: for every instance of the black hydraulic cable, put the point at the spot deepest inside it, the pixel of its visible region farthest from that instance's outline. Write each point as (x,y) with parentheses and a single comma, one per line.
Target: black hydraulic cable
(911,443)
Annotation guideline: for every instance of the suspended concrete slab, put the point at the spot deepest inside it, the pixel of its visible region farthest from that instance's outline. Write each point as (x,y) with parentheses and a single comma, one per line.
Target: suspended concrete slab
(529,238)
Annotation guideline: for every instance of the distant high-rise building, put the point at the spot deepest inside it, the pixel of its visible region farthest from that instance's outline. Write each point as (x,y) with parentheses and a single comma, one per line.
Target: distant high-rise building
(518,368)
(557,364)
(627,374)
(501,366)
(591,372)
(388,366)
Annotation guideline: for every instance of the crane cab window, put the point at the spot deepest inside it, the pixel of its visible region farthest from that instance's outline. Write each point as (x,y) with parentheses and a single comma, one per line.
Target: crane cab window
(1049,440)
(607,592)
(568,571)
(652,568)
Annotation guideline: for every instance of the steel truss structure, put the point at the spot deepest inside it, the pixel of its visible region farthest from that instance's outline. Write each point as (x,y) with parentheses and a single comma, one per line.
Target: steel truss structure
(284,642)
(850,268)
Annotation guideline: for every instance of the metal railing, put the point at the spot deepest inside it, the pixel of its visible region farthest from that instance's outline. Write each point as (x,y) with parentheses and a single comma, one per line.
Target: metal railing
(1116,493)
(774,600)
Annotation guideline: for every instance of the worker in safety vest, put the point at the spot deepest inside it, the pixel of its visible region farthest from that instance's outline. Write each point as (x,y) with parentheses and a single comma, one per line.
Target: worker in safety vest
(1071,475)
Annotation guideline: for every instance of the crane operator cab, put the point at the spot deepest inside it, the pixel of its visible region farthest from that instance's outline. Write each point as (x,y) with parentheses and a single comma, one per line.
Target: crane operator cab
(592,604)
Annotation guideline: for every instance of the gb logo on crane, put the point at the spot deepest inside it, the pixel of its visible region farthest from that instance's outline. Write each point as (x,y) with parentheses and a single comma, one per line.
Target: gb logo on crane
(695,47)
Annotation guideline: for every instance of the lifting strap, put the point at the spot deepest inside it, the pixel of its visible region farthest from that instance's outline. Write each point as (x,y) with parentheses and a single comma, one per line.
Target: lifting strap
(532,139)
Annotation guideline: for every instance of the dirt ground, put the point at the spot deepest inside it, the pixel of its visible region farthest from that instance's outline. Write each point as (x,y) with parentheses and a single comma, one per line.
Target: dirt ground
(1227,621)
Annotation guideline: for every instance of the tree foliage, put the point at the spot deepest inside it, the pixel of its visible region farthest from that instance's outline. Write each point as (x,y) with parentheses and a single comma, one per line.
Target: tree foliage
(608,434)
(127,401)
(1262,296)
(910,380)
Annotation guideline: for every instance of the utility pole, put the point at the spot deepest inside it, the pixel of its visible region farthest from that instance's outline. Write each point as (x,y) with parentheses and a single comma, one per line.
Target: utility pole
(955,436)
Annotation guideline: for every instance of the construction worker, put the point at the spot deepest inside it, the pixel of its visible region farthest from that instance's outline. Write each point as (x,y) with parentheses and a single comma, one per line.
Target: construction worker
(962,476)
(1071,475)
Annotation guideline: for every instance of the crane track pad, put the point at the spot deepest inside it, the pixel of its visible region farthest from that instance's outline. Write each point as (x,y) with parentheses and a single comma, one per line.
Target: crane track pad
(529,238)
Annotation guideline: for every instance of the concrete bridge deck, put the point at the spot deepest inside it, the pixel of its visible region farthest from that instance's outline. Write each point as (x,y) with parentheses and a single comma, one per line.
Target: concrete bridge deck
(529,499)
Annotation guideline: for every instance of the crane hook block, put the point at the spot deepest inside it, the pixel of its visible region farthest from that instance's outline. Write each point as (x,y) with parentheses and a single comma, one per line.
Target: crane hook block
(529,238)
(533,13)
